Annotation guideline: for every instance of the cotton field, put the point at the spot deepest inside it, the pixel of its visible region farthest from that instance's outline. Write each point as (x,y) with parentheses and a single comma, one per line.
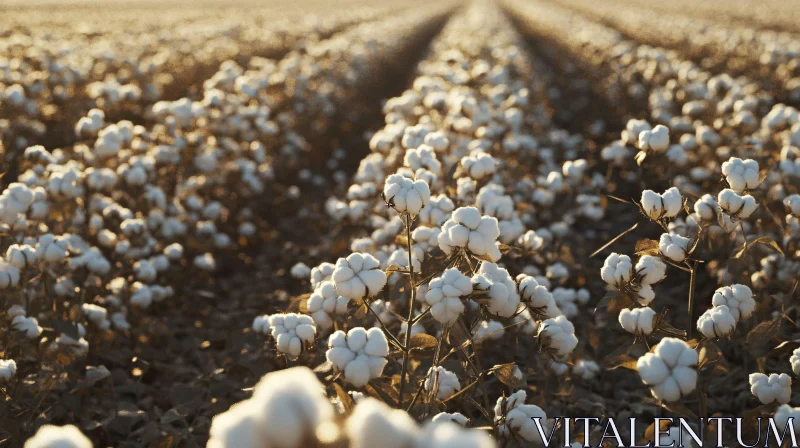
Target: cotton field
(464,223)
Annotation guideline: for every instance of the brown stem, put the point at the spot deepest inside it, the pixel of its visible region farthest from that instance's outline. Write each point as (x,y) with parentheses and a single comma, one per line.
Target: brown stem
(410,311)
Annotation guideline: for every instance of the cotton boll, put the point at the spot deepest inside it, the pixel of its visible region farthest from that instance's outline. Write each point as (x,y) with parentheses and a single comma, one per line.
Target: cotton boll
(488,331)
(50,436)
(735,205)
(373,423)
(286,408)
(51,249)
(738,298)
(444,381)
(479,165)
(637,320)
(656,140)
(21,255)
(357,276)
(360,354)
(28,326)
(616,153)
(741,174)
(586,369)
(503,298)
(669,369)
(292,333)
(617,269)
(454,417)
(321,273)
(467,229)
(515,419)
(325,303)
(706,207)
(8,368)
(666,205)
(772,388)
(405,195)
(633,129)
(300,271)
(784,413)
(445,295)
(717,322)
(447,434)
(205,262)
(674,247)
(651,269)
(437,212)
(537,297)
(558,335)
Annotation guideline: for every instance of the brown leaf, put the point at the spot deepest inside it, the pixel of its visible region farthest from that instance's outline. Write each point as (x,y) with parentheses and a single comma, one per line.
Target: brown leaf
(623,361)
(422,341)
(711,357)
(680,409)
(760,336)
(646,246)
(508,374)
(344,398)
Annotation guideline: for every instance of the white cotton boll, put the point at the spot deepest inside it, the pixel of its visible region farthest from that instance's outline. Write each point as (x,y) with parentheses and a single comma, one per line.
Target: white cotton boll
(656,140)
(454,417)
(445,382)
(51,249)
(633,129)
(784,413)
(637,320)
(503,297)
(488,331)
(50,436)
(531,241)
(557,271)
(735,205)
(399,258)
(300,271)
(261,324)
(467,229)
(21,255)
(677,155)
(406,195)
(792,204)
(445,295)
(292,333)
(145,271)
(8,368)
(9,275)
(794,360)
(674,247)
(586,369)
(479,165)
(537,297)
(717,322)
(96,315)
(285,410)
(515,419)
(617,269)
(141,295)
(325,303)
(321,273)
(558,335)
(741,174)
(422,157)
(651,269)
(706,207)
(574,169)
(616,153)
(425,239)
(738,298)
(357,276)
(645,294)
(28,326)
(669,369)
(565,300)
(360,354)
(373,423)
(666,205)
(437,211)
(772,388)
(447,434)
(174,252)
(205,262)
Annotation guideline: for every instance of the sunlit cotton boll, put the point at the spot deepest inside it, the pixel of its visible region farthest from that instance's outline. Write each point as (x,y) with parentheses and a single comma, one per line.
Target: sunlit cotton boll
(586,369)
(444,381)
(479,165)
(735,205)
(656,140)
(357,276)
(558,335)
(637,320)
(706,207)
(467,229)
(325,303)
(717,322)
(666,205)
(771,389)
(292,332)
(488,330)
(9,274)
(373,423)
(503,297)
(300,271)
(360,354)
(321,273)
(741,174)
(738,298)
(784,413)
(651,269)
(537,297)
(794,361)
(445,295)
(617,269)
(515,419)
(406,195)
(669,370)
(674,247)
(50,436)
(8,368)
(286,408)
